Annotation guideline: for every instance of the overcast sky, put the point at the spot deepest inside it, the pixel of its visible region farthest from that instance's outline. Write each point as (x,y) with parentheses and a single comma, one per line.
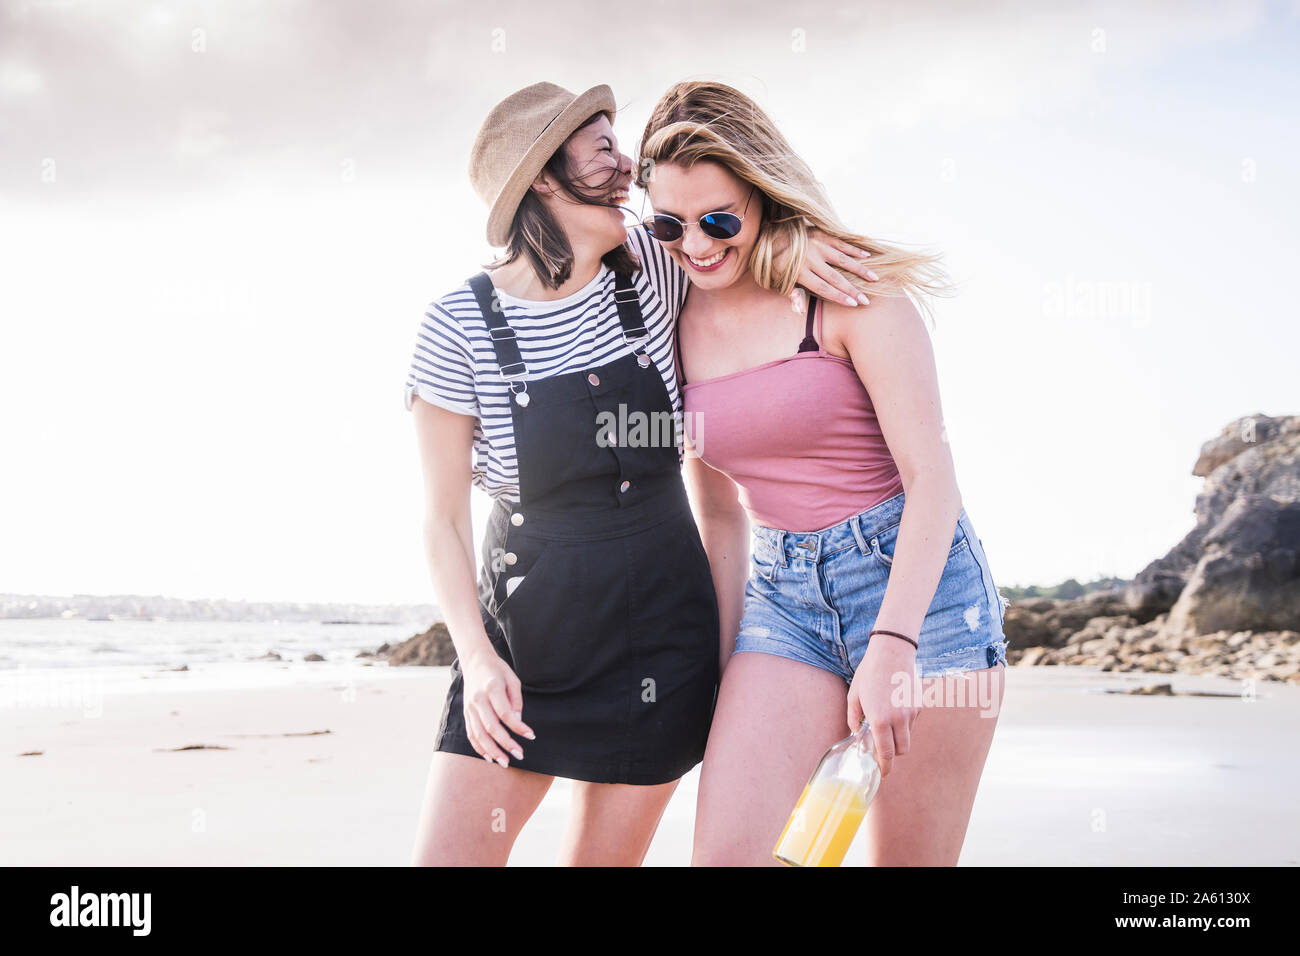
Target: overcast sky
(220,224)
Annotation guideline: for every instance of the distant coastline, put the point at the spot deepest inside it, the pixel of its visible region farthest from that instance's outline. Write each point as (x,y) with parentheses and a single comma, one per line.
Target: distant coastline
(156,607)
(1068,589)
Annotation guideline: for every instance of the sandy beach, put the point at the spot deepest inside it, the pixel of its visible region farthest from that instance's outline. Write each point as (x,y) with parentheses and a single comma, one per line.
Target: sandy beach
(1077,776)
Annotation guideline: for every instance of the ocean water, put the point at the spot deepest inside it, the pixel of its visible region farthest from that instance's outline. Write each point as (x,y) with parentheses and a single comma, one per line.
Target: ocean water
(44,643)
(75,664)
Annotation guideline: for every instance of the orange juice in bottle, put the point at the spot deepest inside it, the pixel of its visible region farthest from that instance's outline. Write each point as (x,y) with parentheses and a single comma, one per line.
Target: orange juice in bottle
(832,805)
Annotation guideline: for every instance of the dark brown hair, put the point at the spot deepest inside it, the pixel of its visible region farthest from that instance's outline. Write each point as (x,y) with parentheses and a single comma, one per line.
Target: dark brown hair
(537,235)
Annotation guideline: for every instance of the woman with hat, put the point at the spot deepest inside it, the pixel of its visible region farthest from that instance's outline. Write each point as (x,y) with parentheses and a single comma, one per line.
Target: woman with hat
(589,646)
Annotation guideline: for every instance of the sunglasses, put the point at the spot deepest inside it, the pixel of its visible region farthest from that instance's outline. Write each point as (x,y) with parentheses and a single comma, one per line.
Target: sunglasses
(715,225)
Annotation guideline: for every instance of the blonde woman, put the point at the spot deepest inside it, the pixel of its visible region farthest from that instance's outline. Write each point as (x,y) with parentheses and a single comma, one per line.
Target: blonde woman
(867,582)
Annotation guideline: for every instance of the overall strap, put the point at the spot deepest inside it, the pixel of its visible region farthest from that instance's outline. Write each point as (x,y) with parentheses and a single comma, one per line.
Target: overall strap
(502,335)
(681,359)
(629,311)
(679,355)
(809,343)
(635,333)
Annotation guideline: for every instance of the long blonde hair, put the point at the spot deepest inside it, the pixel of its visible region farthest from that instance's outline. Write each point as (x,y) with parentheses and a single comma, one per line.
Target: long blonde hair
(704,121)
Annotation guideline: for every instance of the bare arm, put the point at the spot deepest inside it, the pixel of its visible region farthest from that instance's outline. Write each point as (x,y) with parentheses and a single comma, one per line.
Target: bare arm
(894,358)
(724,529)
(444,440)
(492,692)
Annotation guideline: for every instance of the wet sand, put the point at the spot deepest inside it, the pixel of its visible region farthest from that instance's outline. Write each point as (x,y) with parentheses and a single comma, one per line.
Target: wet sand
(1076,776)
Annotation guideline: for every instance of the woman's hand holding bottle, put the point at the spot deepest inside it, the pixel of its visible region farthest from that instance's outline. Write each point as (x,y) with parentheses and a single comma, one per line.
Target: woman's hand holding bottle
(887,663)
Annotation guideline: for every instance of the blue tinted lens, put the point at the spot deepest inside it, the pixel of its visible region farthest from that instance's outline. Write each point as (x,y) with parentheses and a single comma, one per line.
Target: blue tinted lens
(664,228)
(720,225)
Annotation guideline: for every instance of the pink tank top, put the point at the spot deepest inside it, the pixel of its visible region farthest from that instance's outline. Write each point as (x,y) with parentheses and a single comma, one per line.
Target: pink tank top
(798,435)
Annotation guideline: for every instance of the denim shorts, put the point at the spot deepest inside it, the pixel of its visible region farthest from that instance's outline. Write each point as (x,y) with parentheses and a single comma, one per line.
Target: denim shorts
(814,596)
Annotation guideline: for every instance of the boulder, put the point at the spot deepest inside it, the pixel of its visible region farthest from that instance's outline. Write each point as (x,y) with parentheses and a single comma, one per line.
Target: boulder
(1248,578)
(433,648)
(1254,457)
(1032,656)
(1026,628)
(1051,622)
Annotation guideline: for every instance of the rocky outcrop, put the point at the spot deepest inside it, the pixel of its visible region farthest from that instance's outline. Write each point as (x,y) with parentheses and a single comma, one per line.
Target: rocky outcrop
(433,648)
(1248,577)
(1224,600)
(1049,622)
(1255,459)
(1119,643)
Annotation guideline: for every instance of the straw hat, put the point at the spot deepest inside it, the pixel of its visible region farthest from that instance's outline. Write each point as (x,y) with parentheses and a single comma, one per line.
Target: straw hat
(521,133)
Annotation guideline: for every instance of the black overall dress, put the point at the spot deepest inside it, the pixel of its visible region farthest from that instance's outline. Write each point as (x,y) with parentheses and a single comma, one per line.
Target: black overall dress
(595,588)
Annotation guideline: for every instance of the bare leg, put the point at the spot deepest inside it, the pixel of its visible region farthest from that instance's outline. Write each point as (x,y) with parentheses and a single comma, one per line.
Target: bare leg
(773,721)
(612,824)
(920,814)
(473,811)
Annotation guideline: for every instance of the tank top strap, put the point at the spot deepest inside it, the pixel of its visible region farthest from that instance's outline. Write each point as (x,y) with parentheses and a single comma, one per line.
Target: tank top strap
(809,343)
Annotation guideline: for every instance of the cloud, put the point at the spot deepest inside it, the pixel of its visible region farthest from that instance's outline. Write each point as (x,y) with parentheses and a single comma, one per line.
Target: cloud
(19,79)
(286,92)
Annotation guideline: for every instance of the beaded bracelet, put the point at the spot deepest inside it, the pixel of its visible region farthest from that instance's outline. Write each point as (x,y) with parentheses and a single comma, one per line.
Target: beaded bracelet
(881,630)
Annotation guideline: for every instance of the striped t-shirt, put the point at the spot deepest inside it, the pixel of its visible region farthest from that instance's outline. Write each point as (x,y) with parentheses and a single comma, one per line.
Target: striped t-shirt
(455,367)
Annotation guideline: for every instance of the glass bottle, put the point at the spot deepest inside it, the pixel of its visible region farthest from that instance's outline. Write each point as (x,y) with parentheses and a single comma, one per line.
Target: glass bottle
(832,805)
